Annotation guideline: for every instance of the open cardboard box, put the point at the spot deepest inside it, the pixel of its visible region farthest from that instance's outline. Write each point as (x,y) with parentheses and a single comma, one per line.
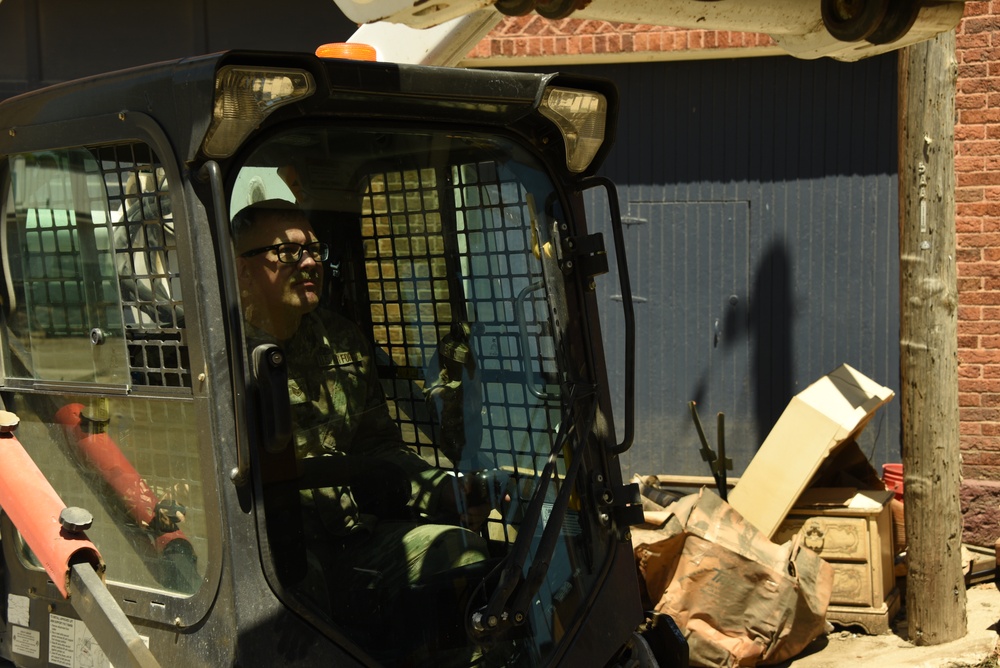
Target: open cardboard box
(812,444)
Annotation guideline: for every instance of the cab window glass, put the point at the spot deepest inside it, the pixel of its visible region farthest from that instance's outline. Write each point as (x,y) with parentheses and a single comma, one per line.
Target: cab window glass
(62,285)
(420,268)
(96,360)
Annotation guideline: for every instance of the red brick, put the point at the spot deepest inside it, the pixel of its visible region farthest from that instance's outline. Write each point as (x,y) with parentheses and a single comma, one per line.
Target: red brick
(981,240)
(984,328)
(970,313)
(979,357)
(980,473)
(984,115)
(970,195)
(978,179)
(990,224)
(978,270)
(966,42)
(986,147)
(964,133)
(968,342)
(969,284)
(970,428)
(972,163)
(986,84)
(982,386)
(969,371)
(968,255)
(979,414)
(968,225)
(979,8)
(981,451)
(978,209)
(974,69)
(982,297)
(969,399)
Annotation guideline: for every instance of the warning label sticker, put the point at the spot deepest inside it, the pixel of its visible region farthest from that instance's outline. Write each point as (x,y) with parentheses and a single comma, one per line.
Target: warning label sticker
(25,641)
(72,645)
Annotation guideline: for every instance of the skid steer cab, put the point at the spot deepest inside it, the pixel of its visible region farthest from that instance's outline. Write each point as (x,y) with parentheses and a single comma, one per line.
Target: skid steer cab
(303,355)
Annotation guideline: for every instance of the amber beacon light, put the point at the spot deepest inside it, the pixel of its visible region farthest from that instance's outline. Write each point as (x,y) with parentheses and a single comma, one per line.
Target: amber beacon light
(347,51)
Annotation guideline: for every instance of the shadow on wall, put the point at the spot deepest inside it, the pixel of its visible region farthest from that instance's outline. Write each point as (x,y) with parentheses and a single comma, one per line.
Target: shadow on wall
(770,323)
(768,326)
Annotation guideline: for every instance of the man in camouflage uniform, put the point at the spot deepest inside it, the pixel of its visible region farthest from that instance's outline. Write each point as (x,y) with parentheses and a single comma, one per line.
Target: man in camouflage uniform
(338,410)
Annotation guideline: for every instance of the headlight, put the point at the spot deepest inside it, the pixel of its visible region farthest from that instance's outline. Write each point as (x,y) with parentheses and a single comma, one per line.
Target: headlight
(243,99)
(580,116)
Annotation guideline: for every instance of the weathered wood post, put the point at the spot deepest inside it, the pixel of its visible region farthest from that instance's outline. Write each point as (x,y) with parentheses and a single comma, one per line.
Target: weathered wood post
(935,596)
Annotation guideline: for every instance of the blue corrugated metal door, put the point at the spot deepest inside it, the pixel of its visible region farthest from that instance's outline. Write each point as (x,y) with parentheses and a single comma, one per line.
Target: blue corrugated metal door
(760,199)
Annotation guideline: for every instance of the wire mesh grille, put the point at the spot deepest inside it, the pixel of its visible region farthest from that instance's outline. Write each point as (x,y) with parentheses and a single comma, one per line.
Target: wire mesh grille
(494,225)
(423,280)
(146,257)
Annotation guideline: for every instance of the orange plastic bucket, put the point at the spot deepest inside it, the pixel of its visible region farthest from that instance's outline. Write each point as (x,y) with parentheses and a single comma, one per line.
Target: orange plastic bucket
(892,476)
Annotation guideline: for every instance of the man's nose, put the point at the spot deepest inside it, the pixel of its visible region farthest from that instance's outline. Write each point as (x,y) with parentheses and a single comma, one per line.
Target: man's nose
(307,259)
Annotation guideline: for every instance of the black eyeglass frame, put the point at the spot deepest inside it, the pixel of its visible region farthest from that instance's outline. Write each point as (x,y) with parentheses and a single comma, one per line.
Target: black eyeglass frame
(319,250)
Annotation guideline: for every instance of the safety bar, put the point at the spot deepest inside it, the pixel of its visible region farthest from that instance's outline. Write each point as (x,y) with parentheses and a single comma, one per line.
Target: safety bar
(34,507)
(212,174)
(629,312)
(105,619)
(69,558)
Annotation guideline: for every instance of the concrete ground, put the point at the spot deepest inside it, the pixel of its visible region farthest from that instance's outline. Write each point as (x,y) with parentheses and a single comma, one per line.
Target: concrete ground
(977,649)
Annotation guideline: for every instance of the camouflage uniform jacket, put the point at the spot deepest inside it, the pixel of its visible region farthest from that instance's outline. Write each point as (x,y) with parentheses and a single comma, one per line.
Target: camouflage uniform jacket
(338,410)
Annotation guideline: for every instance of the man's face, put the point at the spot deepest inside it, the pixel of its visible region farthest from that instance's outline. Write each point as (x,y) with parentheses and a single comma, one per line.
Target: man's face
(279,293)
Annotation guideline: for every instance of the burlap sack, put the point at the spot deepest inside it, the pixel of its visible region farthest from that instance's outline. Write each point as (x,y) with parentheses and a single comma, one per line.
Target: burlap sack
(740,599)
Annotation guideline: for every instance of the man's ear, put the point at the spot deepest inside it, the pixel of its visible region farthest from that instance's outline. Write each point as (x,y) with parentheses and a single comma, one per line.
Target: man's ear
(242,269)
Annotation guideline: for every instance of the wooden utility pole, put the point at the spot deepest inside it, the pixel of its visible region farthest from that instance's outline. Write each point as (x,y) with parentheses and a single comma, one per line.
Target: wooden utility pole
(935,592)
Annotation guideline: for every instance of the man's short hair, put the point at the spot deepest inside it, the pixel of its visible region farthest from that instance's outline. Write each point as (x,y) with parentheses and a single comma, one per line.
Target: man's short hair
(247,217)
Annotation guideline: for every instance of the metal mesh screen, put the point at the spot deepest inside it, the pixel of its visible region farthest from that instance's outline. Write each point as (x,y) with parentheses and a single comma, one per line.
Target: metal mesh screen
(506,291)
(408,289)
(138,201)
(423,278)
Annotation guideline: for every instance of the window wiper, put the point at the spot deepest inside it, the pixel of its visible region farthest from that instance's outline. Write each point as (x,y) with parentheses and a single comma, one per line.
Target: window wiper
(508,604)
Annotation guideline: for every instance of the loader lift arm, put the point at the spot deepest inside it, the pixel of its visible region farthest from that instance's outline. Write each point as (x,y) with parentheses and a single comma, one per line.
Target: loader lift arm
(841,29)
(56,536)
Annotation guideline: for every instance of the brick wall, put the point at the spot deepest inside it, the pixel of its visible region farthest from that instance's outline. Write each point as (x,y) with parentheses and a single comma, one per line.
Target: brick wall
(977,165)
(529,37)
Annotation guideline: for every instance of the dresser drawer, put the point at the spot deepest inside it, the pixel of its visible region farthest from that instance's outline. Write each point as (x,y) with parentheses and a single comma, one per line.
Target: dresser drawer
(852,585)
(831,537)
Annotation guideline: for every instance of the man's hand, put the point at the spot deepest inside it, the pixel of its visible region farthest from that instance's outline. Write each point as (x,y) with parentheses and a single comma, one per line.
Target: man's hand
(473,496)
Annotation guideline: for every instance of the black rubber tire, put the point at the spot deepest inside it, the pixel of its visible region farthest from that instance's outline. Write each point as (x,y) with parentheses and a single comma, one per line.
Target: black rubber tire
(556,9)
(515,7)
(853,20)
(899,18)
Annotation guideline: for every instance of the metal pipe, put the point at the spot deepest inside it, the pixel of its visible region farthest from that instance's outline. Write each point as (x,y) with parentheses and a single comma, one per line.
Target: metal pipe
(34,507)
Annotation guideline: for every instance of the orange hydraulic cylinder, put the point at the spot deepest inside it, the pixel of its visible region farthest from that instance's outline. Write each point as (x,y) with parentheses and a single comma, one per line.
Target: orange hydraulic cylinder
(101,452)
(34,507)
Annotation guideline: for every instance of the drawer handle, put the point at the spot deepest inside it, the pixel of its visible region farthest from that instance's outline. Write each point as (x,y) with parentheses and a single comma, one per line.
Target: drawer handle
(813,535)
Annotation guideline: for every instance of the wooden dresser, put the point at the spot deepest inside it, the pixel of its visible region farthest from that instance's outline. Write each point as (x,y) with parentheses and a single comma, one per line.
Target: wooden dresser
(852,530)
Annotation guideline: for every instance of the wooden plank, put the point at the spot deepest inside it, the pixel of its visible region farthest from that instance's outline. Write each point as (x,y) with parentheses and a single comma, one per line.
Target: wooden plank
(935,597)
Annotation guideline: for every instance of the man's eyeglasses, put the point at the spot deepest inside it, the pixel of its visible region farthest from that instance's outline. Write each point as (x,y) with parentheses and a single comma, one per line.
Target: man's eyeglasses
(291,253)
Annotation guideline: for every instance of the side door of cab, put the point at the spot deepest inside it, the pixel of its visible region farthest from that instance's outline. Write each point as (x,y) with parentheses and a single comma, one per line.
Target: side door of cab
(103,359)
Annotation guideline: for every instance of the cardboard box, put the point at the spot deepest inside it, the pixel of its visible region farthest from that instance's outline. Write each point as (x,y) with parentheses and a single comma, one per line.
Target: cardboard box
(811,444)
